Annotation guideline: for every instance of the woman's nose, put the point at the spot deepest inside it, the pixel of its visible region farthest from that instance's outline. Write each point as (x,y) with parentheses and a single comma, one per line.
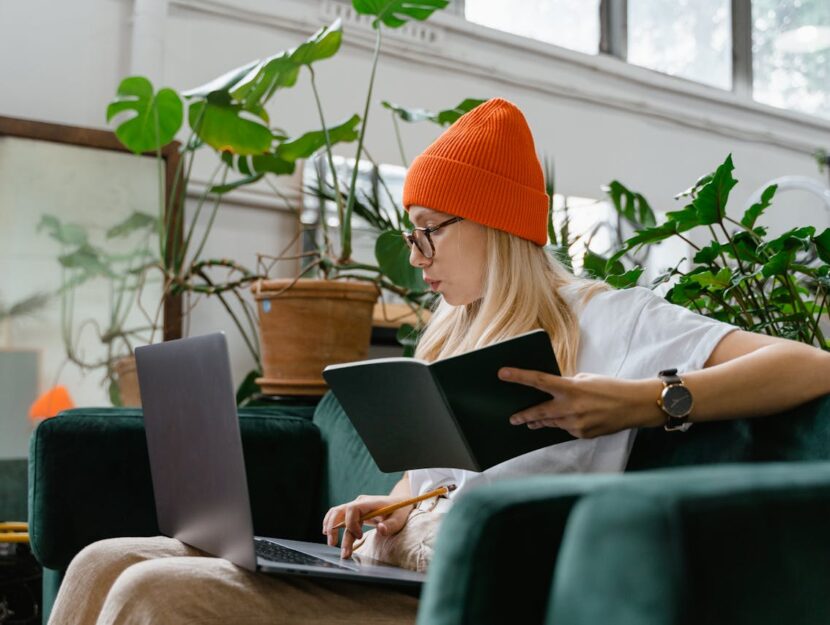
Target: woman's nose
(416,259)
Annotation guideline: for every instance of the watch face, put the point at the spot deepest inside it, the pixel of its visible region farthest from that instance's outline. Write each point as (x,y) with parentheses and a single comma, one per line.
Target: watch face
(677,400)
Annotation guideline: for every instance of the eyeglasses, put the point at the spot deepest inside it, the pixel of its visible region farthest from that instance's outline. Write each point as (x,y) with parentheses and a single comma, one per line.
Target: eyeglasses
(420,237)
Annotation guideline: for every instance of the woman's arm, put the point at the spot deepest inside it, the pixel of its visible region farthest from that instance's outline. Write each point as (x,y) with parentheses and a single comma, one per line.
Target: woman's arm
(752,375)
(746,375)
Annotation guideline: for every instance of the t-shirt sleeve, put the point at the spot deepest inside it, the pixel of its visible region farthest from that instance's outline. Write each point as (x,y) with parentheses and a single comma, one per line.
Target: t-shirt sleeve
(665,336)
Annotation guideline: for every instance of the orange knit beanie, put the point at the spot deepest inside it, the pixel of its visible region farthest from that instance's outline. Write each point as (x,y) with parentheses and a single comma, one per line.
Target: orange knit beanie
(484,168)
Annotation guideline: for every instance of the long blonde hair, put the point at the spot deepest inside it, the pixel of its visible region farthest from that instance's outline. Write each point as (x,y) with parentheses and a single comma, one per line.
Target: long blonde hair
(521,293)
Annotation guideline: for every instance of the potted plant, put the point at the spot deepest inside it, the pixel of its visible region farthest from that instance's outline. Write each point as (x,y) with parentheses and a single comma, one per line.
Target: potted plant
(777,286)
(308,322)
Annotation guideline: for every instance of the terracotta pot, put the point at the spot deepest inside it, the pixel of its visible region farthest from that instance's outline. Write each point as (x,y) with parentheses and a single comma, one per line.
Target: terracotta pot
(307,325)
(127,378)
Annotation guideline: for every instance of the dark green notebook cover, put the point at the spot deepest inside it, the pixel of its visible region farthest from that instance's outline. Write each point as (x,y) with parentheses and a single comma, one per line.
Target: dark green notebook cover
(451,413)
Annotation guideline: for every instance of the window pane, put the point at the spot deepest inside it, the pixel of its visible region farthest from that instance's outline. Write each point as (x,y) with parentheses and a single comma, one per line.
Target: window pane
(791,54)
(572,24)
(687,38)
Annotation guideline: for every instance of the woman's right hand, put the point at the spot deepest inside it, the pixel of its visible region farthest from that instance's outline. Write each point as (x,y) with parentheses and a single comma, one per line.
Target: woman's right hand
(351,513)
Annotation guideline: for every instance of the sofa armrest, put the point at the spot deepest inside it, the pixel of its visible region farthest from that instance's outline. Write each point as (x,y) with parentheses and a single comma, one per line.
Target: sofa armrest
(739,544)
(89,478)
(497,546)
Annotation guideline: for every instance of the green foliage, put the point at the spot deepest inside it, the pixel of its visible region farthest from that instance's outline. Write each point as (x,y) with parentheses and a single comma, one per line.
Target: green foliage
(248,388)
(394,13)
(309,143)
(630,205)
(444,117)
(228,115)
(776,286)
(392,254)
(155,116)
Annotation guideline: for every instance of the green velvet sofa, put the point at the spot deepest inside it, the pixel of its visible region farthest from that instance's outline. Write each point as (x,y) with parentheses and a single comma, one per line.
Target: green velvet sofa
(648,546)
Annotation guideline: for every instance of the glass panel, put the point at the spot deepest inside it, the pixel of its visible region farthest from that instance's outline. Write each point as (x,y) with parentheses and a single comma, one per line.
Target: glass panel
(687,38)
(791,54)
(572,24)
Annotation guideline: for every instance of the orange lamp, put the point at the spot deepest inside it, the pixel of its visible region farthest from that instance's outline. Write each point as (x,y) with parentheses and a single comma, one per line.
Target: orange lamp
(50,403)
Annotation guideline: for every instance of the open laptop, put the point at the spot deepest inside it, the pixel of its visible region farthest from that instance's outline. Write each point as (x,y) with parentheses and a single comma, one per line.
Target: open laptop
(198,471)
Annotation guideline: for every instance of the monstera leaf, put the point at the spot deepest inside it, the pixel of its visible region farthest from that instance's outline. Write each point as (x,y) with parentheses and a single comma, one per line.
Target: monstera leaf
(227,127)
(307,144)
(281,70)
(260,83)
(223,83)
(321,45)
(395,13)
(154,119)
(442,118)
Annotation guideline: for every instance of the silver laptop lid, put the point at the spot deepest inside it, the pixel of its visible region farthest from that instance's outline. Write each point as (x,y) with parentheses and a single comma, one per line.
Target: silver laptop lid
(195,448)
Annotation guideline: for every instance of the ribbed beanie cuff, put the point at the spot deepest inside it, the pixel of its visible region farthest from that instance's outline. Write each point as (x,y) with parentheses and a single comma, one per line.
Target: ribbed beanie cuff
(484,168)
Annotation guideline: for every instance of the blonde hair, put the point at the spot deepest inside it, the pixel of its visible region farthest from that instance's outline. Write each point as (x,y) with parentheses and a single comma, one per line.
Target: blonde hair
(521,293)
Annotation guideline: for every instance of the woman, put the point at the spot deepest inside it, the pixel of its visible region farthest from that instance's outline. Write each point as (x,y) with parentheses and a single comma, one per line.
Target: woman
(477,199)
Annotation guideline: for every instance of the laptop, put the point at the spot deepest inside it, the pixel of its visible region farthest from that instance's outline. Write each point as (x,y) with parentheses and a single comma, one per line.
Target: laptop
(198,470)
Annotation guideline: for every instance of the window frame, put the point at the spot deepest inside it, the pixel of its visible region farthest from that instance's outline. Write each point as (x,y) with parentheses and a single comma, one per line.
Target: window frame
(613,42)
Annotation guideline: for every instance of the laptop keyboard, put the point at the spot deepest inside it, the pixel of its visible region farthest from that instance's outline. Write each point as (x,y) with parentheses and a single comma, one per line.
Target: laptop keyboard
(285,555)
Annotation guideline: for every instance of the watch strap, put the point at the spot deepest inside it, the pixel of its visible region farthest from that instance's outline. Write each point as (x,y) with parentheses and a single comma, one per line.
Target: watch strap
(669,376)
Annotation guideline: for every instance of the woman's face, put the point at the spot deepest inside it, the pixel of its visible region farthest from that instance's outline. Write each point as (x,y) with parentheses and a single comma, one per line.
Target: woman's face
(456,269)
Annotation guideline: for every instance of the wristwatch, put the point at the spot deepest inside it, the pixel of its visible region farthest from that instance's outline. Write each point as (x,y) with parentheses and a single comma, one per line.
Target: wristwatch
(676,401)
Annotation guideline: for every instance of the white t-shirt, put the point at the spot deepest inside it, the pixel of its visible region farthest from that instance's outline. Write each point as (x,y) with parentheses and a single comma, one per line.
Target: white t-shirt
(629,334)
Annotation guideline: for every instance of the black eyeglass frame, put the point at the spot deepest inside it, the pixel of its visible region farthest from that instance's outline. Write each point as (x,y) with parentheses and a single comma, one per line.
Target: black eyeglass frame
(409,237)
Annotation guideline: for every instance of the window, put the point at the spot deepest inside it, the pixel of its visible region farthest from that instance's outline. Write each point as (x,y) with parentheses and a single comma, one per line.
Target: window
(687,38)
(572,24)
(791,54)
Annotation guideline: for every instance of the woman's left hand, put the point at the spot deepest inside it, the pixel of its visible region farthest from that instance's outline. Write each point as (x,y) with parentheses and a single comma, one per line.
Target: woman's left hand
(588,405)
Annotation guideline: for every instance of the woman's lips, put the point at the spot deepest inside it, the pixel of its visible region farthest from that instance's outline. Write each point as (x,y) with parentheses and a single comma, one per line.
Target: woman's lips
(433,284)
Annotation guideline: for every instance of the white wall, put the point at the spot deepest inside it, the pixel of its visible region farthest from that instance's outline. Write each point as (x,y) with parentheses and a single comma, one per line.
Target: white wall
(598,118)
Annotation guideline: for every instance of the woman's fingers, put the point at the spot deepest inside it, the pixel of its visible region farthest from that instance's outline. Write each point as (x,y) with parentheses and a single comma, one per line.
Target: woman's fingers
(546,382)
(353,522)
(332,518)
(393,523)
(551,409)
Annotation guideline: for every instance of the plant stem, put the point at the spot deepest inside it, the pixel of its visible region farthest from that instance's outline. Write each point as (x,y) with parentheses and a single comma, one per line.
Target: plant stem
(688,242)
(209,225)
(236,321)
(398,137)
(181,200)
(762,311)
(346,223)
(799,303)
(161,193)
(330,156)
(392,201)
(192,228)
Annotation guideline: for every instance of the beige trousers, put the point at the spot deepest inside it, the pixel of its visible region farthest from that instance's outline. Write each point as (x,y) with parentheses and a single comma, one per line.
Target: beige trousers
(161,581)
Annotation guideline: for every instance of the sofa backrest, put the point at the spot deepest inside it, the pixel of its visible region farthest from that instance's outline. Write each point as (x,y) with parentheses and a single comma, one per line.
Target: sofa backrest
(802,433)
(348,469)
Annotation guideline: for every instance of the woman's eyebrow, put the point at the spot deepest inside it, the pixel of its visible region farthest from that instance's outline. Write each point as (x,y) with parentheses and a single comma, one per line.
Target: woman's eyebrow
(423,216)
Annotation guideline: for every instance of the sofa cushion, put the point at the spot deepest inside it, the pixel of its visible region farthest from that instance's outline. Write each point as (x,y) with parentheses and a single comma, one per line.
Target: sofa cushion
(741,544)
